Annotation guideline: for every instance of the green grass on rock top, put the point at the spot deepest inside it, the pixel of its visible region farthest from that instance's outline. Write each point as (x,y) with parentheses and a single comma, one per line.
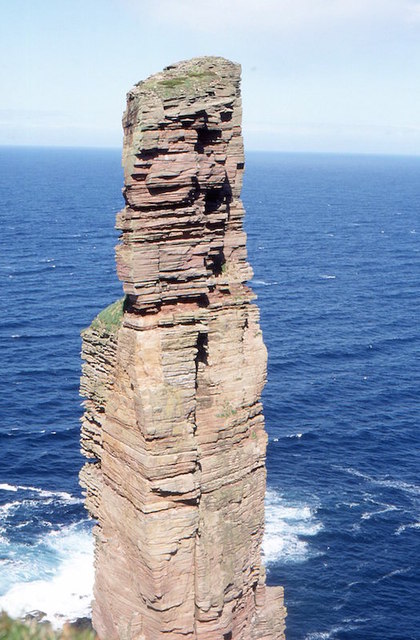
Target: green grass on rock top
(180,84)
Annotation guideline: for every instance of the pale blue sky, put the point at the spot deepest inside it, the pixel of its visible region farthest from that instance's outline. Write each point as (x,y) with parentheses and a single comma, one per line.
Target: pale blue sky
(318,75)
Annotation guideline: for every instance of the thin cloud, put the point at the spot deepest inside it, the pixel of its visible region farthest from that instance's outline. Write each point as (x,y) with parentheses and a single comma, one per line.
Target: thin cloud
(280,16)
(414,13)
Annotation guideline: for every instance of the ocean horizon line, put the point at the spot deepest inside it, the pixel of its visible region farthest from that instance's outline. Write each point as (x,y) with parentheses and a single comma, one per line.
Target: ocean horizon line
(247,150)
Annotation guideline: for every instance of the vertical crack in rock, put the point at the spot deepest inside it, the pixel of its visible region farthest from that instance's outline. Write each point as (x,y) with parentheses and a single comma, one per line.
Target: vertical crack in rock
(173,376)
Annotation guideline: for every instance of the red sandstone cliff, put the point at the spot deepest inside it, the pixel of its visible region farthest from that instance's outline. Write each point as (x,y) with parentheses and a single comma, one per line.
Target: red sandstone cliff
(173,377)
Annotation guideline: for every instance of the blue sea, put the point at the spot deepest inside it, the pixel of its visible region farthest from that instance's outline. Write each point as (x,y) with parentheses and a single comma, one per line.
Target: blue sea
(334,242)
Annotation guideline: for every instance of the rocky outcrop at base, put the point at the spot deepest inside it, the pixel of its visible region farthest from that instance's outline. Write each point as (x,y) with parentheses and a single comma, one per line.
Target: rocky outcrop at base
(172,378)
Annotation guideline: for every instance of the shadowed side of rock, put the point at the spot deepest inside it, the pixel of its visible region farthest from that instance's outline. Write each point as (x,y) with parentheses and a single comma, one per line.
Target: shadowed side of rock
(173,376)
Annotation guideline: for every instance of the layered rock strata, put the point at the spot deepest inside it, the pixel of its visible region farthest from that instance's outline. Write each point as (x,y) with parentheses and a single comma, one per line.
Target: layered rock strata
(172,378)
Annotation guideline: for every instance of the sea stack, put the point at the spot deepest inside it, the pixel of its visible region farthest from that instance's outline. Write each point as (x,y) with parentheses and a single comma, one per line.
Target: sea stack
(172,380)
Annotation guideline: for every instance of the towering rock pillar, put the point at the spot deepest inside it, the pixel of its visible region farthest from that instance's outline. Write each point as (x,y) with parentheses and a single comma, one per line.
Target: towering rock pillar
(172,378)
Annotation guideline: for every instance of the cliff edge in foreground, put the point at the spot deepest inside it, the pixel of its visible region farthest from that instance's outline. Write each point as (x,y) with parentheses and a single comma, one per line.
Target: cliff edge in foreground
(172,378)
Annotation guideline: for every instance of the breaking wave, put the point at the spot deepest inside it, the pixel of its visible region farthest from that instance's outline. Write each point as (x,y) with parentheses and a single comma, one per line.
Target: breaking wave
(54,576)
(287,527)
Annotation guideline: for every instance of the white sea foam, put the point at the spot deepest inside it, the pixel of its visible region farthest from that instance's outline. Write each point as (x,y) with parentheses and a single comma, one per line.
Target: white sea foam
(8,487)
(371,514)
(286,526)
(404,527)
(5,509)
(327,276)
(399,484)
(291,435)
(63,496)
(65,591)
(391,574)
(413,489)
(332,633)
(264,283)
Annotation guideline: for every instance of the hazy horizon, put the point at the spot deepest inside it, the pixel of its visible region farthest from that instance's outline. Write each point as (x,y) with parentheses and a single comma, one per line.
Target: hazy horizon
(338,76)
(247,150)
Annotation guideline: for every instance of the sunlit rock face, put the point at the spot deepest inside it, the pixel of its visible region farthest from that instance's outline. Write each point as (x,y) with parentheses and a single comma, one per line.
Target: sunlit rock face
(173,376)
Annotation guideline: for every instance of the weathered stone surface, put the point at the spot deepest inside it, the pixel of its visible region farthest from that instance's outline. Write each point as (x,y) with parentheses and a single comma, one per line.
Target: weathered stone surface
(173,378)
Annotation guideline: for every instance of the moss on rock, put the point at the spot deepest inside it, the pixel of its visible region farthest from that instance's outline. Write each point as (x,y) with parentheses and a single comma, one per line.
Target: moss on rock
(111,317)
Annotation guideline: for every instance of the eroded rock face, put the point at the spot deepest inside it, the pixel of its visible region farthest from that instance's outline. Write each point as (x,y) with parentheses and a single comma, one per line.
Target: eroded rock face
(172,378)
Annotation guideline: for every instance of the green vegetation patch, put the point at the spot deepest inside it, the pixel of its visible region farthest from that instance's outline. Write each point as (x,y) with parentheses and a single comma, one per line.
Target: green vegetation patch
(186,83)
(111,317)
(227,411)
(172,83)
(17,630)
